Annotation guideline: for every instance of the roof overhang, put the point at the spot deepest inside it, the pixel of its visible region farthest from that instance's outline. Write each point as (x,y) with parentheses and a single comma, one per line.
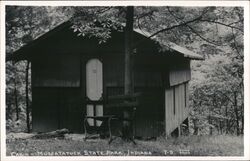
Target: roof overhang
(21,55)
(184,51)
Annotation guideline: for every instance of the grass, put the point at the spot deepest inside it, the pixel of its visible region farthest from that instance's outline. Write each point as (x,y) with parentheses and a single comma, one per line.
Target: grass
(220,145)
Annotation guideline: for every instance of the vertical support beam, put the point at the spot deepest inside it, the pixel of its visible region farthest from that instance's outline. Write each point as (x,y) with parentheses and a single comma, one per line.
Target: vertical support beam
(128,49)
(127,129)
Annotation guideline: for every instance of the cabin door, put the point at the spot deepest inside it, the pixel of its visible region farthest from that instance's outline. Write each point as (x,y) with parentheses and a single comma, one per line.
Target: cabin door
(94,89)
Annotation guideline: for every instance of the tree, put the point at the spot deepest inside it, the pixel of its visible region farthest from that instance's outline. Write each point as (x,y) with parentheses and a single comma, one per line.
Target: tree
(128,88)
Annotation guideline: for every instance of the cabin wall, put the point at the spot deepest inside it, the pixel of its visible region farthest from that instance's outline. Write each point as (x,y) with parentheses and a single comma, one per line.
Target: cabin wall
(149,116)
(56,71)
(56,93)
(149,119)
(176,106)
(179,73)
(148,80)
(55,108)
(113,70)
(148,76)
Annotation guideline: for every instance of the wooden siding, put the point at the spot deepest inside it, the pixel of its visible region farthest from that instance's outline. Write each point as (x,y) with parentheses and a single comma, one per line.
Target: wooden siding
(55,108)
(147,77)
(149,119)
(180,73)
(113,66)
(44,110)
(56,71)
(175,100)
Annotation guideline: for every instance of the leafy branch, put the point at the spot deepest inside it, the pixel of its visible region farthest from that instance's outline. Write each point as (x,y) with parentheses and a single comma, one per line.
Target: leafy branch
(178,19)
(220,23)
(176,26)
(180,24)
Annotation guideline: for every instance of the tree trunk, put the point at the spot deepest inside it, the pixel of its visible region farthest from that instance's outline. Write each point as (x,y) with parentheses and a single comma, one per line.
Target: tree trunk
(128,49)
(227,122)
(52,134)
(15,95)
(236,113)
(27,97)
(210,120)
(127,129)
(242,104)
(242,119)
(196,129)
(210,123)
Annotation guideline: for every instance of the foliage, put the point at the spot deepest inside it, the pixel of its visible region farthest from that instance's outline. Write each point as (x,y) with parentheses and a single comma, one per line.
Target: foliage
(217,93)
(97,21)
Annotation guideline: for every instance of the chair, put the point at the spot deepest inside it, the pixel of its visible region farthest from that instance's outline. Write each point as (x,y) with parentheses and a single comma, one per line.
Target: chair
(115,107)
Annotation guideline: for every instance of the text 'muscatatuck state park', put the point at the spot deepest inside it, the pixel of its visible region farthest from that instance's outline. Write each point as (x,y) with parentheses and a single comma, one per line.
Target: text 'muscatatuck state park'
(124,81)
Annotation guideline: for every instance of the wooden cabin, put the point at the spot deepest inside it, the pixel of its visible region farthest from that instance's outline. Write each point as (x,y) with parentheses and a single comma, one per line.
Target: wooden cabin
(71,77)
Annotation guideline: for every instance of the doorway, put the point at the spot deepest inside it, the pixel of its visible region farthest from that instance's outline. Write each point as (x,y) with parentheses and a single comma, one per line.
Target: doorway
(94,90)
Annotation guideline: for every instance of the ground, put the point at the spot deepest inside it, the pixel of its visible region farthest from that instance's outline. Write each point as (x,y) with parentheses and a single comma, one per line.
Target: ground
(74,145)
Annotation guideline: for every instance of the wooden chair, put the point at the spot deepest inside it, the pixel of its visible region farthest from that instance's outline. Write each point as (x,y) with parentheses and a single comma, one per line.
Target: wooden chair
(106,119)
(114,107)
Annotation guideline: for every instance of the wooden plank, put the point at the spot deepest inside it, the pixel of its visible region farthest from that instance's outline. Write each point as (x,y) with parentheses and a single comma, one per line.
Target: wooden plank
(45,109)
(56,71)
(147,76)
(114,70)
(168,109)
(180,73)
(123,97)
(123,104)
(182,101)
(173,121)
(71,112)
(187,94)
(177,96)
(147,114)
(51,134)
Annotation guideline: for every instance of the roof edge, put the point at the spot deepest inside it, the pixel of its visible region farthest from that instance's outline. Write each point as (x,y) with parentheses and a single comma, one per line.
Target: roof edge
(18,54)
